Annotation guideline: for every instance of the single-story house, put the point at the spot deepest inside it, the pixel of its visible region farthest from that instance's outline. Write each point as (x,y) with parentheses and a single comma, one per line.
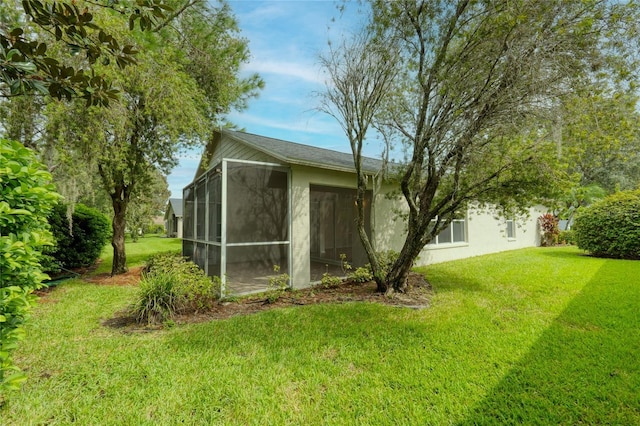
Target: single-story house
(173,218)
(258,202)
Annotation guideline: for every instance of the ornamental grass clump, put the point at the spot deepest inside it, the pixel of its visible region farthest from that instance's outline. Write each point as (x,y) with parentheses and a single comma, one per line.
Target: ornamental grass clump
(158,299)
(170,285)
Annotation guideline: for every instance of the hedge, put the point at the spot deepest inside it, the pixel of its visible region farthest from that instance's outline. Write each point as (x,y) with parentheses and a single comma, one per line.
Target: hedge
(611,227)
(82,244)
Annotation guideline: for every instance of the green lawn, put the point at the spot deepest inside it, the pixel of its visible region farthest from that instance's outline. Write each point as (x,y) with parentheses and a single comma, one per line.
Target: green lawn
(535,336)
(138,252)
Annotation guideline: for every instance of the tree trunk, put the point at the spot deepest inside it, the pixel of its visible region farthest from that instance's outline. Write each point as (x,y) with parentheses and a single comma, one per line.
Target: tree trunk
(119,201)
(397,276)
(381,282)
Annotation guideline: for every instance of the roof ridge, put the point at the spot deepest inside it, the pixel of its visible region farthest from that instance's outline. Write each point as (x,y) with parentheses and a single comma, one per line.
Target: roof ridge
(295,143)
(302,154)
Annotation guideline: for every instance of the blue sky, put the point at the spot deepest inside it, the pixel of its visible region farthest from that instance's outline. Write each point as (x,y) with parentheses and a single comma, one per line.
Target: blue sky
(285,39)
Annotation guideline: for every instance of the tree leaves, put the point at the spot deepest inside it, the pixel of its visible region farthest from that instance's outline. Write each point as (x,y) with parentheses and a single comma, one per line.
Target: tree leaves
(28,69)
(26,197)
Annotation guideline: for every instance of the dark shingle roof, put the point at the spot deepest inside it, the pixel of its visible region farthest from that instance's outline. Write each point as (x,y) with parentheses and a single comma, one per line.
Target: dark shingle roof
(176,204)
(305,155)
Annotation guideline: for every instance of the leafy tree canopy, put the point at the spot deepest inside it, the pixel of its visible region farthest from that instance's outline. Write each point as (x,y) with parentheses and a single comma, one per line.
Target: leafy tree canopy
(600,140)
(27,64)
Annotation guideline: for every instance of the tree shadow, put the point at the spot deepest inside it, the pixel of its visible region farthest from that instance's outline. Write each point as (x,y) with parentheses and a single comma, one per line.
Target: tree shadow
(584,369)
(562,252)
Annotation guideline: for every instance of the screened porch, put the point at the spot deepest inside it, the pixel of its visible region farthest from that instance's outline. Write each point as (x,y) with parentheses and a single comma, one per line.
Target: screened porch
(237,224)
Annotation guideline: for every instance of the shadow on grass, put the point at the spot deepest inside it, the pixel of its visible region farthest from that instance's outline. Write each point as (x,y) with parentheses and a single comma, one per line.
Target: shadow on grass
(562,252)
(585,368)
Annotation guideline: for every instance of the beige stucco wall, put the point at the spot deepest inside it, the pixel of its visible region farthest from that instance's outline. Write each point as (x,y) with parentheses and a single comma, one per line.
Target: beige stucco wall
(179,234)
(484,234)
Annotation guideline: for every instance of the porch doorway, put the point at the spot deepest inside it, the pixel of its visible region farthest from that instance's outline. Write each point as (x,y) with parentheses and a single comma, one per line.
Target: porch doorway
(333,230)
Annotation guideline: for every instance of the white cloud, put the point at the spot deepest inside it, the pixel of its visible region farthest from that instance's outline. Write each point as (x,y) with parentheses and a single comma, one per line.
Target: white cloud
(285,38)
(265,11)
(315,124)
(300,70)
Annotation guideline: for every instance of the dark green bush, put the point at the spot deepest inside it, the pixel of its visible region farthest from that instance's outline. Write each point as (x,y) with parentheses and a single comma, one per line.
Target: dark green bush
(611,227)
(170,285)
(90,232)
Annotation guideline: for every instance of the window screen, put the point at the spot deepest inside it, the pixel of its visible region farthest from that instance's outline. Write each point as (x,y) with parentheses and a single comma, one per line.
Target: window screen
(257,204)
(189,210)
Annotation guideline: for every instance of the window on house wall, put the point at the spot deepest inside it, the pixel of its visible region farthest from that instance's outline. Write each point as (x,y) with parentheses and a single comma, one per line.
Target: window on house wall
(511,229)
(455,232)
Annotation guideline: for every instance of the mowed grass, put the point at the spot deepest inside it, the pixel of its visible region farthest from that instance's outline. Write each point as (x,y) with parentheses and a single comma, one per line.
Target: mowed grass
(535,336)
(137,253)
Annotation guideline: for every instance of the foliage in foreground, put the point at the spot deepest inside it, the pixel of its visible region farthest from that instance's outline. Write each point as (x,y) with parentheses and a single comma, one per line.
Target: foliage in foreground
(611,227)
(28,66)
(171,285)
(26,196)
(82,244)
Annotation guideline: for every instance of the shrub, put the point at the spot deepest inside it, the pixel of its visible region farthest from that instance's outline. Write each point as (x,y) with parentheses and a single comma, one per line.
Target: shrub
(170,285)
(387,259)
(278,284)
(611,227)
(567,237)
(158,298)
(361,275)
(153,229)
(26,197)
(328,280)
(166,261)
(364,273)
(82,245)
(549,229)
